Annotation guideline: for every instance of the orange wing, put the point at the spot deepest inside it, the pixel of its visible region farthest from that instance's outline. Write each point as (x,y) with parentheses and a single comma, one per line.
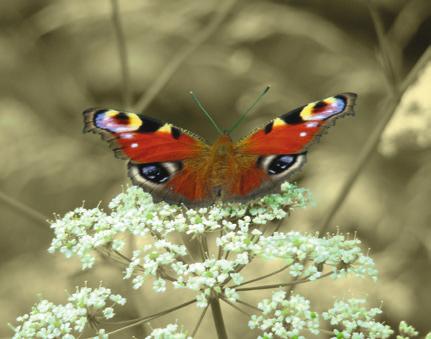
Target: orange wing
(142,139)
(280,147)
(158,153)
(293,132)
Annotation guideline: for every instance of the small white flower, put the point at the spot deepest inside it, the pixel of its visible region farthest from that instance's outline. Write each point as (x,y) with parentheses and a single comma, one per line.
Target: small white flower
(171,331)
(159,285)
(231,294)
(201,300)
(108,313)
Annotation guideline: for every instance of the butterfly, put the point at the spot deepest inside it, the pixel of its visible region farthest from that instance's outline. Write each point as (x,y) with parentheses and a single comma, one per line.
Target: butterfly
(178,166)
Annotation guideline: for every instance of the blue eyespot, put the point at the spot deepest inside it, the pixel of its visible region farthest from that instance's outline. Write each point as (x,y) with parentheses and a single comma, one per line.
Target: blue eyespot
(281,163)
(154,172)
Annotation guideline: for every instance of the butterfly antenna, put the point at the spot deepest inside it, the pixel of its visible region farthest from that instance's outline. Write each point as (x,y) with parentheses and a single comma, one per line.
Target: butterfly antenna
(243,115)
(196,100)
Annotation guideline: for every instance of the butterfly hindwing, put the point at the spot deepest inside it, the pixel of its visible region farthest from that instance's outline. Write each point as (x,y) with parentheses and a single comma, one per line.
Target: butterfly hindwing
(264,175)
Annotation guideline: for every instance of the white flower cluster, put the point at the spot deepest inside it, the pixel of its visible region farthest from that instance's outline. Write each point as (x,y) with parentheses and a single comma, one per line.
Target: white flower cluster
(354,320)
(47,320)
(81,231)
(406,331)
(308,253)
(204,277)
(171,331)
(152,260)
(208,276)
(285,318)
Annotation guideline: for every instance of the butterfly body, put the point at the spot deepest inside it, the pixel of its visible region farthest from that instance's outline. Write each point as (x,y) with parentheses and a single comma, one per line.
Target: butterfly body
(179,167)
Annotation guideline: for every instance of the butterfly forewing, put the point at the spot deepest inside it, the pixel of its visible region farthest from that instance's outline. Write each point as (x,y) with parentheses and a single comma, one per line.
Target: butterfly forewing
(293,132)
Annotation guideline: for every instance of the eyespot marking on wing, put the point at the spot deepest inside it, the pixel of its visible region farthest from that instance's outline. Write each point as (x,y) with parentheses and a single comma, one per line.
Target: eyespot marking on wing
(117,122)
(282,165)
(155,174)
(324,109)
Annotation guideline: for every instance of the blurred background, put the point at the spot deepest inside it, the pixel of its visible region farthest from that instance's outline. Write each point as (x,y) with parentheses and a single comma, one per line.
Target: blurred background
(60,57)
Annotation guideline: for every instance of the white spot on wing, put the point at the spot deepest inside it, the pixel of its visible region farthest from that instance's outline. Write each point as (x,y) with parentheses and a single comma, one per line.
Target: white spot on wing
(134,145)
(126,136)
(311,124)
(303,134)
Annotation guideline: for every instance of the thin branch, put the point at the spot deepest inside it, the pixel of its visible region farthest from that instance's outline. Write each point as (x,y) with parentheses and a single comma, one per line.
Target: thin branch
(26,210)
(204,255)
(199,321)
(278,226)
(374,138)
(122,51)
(295,282)
(236,307)
(387,51)
(205,245)
(151,317)
(179,58)
(226,255)
(417,68)
(248,305)
(220,249)
(264,276)
(408,21)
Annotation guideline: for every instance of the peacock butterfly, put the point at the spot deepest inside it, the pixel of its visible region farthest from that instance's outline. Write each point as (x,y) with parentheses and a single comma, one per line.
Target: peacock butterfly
(177,166)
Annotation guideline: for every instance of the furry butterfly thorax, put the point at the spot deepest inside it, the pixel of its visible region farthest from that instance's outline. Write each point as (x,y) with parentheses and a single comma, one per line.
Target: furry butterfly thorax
(177,166)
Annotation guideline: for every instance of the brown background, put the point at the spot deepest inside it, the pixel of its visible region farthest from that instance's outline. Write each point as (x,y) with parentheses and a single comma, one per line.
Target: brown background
(60,57)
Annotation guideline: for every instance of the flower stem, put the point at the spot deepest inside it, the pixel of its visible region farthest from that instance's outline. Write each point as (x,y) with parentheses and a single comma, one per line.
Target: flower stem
(24,209)
(265,276)
(248,305)
(218,318)
(236,307)
(199,322)
(295,282)
(151,317)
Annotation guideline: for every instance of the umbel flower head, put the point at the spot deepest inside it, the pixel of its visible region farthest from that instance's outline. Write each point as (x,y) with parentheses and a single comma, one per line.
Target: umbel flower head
(242,233)
(173,250)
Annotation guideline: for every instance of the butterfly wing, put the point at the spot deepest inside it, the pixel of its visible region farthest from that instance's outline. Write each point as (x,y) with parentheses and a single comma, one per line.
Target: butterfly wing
(161,156)
(280,147)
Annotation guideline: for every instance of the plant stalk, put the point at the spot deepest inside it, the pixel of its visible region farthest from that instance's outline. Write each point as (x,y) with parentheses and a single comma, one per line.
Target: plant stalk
(218,318)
